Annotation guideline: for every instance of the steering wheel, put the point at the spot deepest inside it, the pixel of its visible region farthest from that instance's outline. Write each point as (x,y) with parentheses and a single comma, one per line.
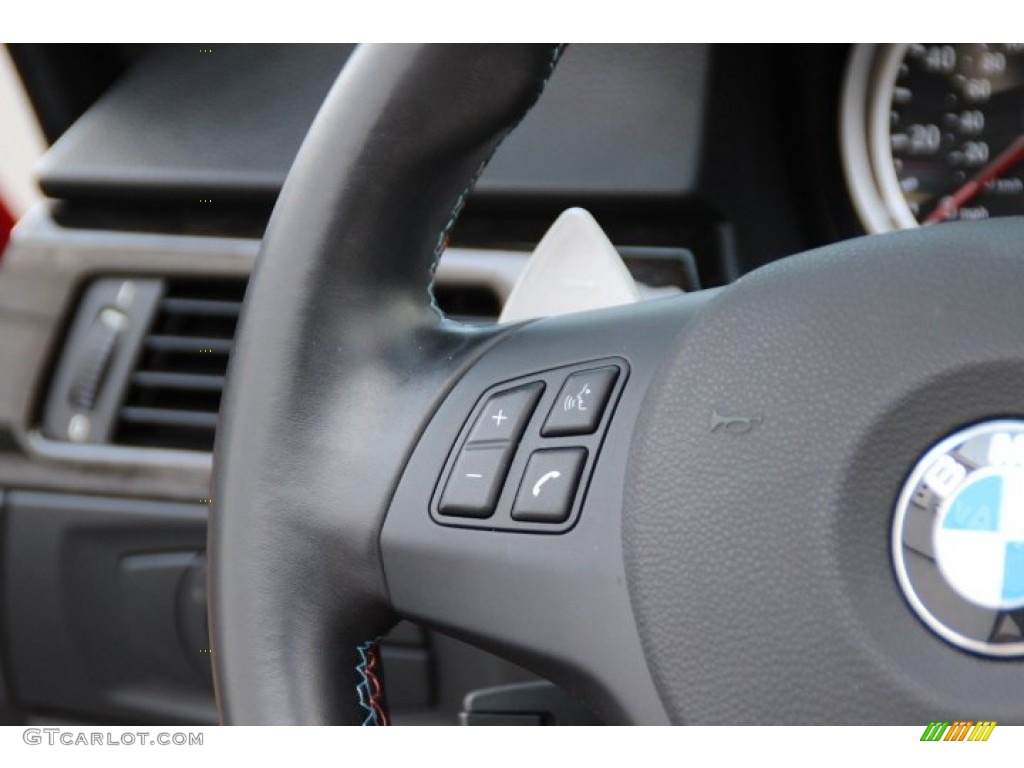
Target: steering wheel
(683,511)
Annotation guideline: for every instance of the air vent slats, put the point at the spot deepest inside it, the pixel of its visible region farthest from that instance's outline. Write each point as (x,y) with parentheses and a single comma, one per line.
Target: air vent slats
(193,344)
(185,381)
(174,393)
(201,307)
(169,417)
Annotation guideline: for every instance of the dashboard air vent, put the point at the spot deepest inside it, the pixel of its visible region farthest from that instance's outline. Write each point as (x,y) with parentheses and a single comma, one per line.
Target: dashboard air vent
(174,392)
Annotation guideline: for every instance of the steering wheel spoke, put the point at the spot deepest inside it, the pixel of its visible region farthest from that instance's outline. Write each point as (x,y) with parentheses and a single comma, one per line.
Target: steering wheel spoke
(506,527)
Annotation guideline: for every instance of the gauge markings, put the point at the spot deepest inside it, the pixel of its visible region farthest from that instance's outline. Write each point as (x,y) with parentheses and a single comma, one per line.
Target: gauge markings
(956,132)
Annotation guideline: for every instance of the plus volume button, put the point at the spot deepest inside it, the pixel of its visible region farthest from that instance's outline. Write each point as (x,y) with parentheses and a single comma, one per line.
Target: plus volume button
(505,415)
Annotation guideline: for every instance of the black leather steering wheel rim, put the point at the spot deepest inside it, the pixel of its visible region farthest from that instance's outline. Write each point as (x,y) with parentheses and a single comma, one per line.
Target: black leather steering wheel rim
(704,574)
(341,294)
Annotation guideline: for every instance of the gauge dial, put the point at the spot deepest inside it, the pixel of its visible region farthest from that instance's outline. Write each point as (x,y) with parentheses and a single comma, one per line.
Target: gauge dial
(948,128)
(934,132)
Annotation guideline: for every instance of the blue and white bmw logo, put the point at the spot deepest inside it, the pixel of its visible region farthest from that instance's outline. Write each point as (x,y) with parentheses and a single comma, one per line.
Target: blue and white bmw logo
(958,538)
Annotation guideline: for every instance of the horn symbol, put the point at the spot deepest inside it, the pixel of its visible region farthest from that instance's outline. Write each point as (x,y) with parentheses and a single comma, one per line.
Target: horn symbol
(733,425)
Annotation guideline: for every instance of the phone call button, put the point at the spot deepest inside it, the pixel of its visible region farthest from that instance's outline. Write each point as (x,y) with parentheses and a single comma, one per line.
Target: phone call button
(548,487)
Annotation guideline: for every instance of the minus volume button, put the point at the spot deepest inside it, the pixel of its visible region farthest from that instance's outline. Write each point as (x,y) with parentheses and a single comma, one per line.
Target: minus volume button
(475,482)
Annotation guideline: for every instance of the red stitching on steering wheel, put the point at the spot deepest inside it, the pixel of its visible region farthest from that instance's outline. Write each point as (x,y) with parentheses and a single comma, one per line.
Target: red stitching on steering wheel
(370,690)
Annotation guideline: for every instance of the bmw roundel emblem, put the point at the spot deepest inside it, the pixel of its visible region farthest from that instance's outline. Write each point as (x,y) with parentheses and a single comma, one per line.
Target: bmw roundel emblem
(958,538)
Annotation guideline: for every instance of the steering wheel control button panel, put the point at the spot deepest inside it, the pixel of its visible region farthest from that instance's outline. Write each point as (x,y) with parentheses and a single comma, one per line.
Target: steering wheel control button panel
(958,539)
(577,409)
(524,457)
(549,485)
(475,482)
(505,414)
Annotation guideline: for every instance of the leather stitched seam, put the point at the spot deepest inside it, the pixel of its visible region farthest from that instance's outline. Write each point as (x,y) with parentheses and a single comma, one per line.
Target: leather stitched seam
(370,690)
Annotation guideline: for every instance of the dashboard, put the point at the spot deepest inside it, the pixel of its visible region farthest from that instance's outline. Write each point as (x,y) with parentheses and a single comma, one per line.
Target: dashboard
(119,296)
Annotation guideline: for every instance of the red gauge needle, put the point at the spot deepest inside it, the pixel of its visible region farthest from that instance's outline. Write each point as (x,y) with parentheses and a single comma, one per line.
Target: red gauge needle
(1008,158)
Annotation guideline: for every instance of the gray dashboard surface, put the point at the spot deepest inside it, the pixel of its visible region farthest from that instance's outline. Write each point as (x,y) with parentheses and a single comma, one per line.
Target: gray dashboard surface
(185,124)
